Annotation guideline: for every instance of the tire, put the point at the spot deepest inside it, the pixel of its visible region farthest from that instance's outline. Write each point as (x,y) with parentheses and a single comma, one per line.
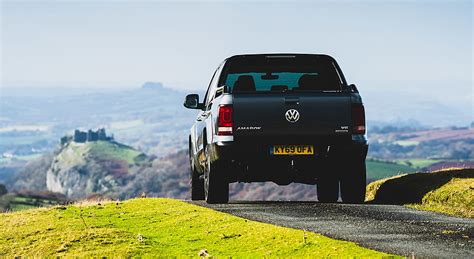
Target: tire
(328,189)
(197,187)
(353,183)
(216,187)
(197,183)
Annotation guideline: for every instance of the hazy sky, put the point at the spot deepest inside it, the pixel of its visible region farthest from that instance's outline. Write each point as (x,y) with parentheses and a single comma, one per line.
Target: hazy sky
(421,44)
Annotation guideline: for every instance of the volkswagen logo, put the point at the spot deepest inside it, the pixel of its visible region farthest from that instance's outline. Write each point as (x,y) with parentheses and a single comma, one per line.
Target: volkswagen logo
(292,115)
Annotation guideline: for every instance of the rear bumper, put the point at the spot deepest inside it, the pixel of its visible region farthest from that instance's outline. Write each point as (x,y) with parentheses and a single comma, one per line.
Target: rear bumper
(251,161)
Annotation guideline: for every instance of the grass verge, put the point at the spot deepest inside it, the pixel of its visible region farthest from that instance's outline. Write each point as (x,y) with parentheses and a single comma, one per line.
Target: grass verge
(447,191)
(158,227)
(456,197)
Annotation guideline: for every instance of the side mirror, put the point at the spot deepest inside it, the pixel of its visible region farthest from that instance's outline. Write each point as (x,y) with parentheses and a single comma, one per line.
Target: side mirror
(353,88)
(192,102)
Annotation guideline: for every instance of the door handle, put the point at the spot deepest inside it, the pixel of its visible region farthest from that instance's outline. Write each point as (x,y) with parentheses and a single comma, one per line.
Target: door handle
(203,116)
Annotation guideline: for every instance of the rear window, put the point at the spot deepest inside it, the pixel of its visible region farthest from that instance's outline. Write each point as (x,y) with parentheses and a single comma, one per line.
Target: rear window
(281,74)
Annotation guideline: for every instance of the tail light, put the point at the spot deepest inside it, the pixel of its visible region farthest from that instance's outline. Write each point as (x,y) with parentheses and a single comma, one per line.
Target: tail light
(224,121)
(358,119)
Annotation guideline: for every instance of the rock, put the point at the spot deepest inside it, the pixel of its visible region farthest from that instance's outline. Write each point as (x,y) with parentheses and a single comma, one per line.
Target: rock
(82,169)
(203,253)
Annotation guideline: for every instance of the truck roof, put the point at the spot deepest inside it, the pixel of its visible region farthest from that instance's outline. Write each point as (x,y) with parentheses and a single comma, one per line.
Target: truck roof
(282,55)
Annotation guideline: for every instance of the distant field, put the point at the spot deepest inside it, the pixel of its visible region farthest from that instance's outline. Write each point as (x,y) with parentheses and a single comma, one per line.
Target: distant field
(439,134)
(23,140)
(25,128)
(23,158)
(21,203)
(406,143)
(17,202)
(415,137)
(418,163)
(379,169)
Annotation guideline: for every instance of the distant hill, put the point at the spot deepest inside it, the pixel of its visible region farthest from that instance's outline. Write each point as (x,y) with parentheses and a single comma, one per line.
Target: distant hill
(450,143)
(153,85)
(81,169)
(393,101)
(107,169)
(151,118)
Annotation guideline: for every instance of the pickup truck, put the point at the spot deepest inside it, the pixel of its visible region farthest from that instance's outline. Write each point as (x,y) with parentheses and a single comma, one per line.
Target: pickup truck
(283,118)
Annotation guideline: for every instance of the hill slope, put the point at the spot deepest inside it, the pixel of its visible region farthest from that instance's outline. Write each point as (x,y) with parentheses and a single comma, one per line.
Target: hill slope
(80,169)
(158,227)
(445,191)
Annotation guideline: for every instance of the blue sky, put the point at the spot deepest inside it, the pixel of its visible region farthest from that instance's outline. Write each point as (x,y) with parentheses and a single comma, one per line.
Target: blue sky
(125,43)
(399,53)
(407,46)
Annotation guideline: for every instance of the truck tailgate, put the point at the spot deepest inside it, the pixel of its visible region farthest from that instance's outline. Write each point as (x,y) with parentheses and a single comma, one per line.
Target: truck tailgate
(266,114)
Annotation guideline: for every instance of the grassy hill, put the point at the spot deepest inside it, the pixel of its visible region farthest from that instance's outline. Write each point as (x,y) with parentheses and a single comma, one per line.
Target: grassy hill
(105,150)
(158,227)
(82,169)
(445,191)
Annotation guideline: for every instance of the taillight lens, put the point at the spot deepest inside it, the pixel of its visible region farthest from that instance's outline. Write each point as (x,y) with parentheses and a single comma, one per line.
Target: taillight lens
(358,119)
(224,121)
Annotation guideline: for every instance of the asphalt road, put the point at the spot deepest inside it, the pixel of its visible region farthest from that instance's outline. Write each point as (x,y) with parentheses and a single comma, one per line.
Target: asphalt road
(388,228)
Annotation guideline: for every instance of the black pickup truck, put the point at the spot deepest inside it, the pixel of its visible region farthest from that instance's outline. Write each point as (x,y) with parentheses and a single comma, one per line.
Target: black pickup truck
(278,117)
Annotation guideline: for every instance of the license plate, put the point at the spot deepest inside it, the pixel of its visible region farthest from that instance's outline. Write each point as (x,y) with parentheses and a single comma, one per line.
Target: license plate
(292,150)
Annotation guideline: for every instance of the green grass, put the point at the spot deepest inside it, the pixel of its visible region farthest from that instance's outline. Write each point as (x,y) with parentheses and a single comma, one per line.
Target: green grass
(445,191)
(379,169)
(418,163)
(15,202)
(157,227)
(456,197)
(106,150)
(19,207)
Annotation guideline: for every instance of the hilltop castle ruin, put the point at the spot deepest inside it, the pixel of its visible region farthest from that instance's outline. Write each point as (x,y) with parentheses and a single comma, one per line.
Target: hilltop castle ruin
(87,136)
(90,135)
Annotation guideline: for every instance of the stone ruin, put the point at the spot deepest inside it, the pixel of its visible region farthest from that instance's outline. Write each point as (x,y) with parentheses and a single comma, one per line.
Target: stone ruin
(91,135)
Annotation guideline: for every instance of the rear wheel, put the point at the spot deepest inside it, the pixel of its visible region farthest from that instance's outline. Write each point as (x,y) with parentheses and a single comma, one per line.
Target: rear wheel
(328,189)
(197,183)
(216,187)
(353,182)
